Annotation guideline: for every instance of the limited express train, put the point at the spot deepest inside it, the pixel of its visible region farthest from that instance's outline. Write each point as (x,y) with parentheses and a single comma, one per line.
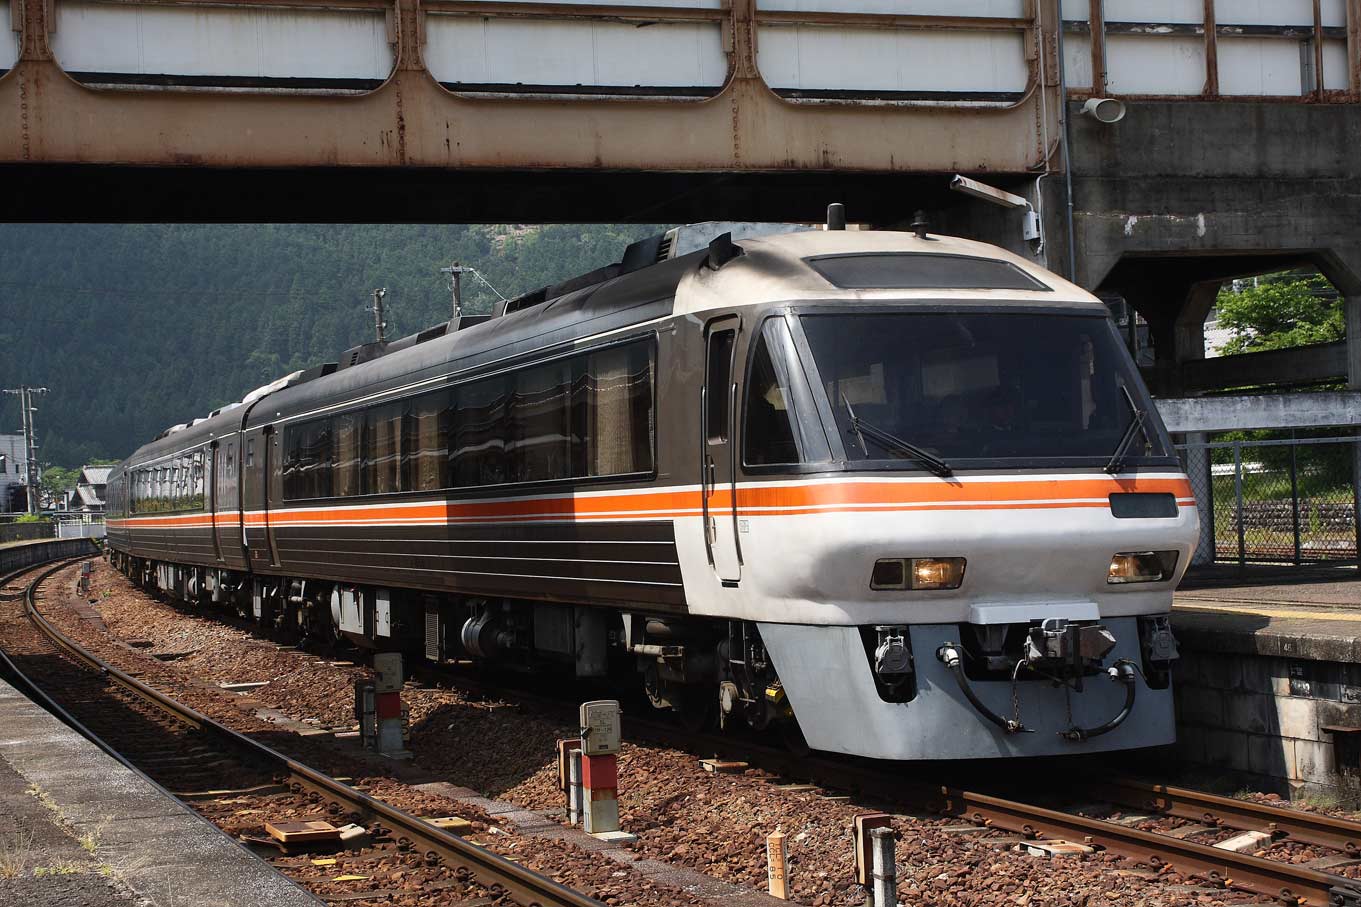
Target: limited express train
(904,492)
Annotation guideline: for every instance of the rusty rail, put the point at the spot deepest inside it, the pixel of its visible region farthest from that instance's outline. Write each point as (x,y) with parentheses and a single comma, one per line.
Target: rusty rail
(1289,883)
(524,885)
(1212,809)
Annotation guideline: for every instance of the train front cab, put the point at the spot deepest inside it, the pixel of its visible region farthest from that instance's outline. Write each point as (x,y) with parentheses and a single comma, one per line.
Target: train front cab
(957,530)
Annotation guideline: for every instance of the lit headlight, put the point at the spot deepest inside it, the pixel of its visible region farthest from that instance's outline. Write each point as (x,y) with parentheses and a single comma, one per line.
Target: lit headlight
(918,573)
(1142,567)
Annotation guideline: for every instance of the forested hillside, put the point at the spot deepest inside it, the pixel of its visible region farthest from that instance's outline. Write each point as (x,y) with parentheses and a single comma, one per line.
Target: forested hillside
(136,327)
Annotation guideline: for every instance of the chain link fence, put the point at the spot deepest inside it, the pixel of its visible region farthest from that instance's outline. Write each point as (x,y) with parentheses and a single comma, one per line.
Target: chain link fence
(1290,501)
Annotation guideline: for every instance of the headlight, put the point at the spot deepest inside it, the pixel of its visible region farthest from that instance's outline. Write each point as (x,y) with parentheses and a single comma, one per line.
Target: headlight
(1142,567)
(918,573)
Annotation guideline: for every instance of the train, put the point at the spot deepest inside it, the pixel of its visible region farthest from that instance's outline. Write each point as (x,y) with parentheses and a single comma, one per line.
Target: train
(898,495)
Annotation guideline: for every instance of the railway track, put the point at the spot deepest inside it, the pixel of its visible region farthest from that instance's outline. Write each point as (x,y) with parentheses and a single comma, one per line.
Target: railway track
(1286,883)
(224,774)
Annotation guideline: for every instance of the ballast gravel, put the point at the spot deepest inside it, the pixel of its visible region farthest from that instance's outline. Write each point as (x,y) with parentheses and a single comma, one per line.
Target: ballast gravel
(713,823)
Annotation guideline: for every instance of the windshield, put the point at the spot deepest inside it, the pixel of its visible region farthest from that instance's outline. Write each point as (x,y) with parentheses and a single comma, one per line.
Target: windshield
(982,386)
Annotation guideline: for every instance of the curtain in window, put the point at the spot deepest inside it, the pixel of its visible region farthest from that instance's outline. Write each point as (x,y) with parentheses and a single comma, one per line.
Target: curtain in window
(382,449)
(347,458)
(427,442)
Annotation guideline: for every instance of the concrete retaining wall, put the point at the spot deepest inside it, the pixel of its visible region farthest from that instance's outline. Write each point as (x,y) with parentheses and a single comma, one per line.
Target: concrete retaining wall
(1264,717)
(18,556)
(18,532)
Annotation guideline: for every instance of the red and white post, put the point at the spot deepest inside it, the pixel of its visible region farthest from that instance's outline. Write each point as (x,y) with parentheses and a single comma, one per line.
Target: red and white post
(387,704)
(600,734)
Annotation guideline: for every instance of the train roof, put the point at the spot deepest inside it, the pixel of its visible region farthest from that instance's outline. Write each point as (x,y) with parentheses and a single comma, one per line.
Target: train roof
(659,277)
(876,266)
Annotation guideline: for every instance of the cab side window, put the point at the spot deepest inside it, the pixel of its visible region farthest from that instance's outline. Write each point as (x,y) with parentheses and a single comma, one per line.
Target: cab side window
(781,425)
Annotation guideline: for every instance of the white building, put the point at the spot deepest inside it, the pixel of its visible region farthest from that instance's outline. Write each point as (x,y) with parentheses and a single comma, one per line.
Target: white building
(12,473)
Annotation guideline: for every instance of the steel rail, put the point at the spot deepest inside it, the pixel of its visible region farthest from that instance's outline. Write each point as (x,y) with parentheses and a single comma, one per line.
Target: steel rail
(527,887)
(1212,809)
(1290,883)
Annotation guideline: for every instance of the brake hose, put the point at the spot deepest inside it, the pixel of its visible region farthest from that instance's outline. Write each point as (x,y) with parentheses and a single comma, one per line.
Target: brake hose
(953,658)
(1122,672)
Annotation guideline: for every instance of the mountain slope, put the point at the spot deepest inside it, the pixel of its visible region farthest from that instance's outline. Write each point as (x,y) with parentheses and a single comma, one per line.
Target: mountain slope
(136,327)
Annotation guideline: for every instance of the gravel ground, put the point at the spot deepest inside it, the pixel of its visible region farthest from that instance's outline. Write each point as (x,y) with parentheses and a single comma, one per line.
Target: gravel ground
(714,823)
(604,880)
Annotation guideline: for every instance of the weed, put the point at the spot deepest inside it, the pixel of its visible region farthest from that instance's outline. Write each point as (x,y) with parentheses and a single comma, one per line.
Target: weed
(16,850)
(89,841)
(64,868)
(1319,800)
(45,799)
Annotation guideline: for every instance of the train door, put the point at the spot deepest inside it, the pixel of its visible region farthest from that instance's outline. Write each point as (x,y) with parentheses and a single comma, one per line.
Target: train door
(718,446)
(212,482)
(270,442)
(255,444)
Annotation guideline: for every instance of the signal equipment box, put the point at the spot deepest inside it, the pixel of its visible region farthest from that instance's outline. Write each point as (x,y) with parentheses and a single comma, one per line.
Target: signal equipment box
(600,727)
(387,666)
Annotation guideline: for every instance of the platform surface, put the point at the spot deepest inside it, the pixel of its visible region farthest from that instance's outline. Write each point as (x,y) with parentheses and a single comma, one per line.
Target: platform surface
(80,828)
(1296,612)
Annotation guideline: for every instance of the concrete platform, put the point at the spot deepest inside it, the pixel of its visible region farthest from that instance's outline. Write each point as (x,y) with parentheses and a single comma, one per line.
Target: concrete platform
(1269,683)
(1312,613)
(77,827)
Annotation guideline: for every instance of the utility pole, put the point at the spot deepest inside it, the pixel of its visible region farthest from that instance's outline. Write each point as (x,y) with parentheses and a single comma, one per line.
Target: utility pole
(379,325)
(456,272)
(25,395)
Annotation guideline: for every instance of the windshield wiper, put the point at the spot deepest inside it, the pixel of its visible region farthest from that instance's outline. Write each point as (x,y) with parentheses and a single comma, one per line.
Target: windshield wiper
(863,430)
(1117,460)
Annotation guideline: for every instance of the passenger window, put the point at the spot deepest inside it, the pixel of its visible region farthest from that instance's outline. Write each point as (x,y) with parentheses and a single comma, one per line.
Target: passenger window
(478,449)
(540,413)
(307,464)
(383,449)
(348,433)
(718,384)
(425,446)
(619,425)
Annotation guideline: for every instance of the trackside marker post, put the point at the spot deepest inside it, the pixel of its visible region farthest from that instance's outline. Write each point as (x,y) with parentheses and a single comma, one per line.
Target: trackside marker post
(777,867)
(885,868)
(574,789)
(600,735)
(569,777)
(387,685)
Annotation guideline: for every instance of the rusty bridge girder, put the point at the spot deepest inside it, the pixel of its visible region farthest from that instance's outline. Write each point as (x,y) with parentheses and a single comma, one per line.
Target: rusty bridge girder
(411,121)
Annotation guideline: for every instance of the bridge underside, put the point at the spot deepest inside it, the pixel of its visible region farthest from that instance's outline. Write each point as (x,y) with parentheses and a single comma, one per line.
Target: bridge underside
(114,193)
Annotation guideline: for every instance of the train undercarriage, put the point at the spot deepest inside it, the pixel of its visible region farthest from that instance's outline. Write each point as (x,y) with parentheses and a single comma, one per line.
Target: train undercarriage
(705,670)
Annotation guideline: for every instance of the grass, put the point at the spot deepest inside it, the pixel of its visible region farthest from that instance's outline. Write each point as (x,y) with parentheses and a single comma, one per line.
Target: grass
(46,800)
(65,868)
(1319,800)
(89,841)
(16,852)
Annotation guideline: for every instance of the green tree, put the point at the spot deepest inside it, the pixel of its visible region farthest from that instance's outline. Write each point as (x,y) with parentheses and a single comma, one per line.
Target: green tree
(55,480)
(136,327)
(1281,310)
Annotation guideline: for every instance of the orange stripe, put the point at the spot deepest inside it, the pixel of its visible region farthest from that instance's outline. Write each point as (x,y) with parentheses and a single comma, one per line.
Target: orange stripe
(764,500)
